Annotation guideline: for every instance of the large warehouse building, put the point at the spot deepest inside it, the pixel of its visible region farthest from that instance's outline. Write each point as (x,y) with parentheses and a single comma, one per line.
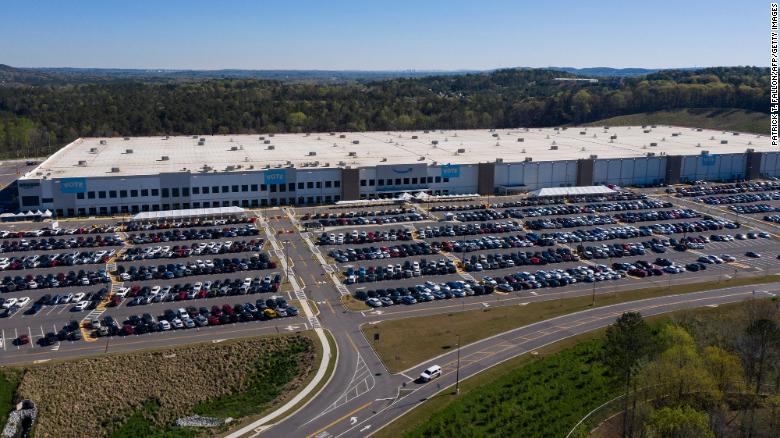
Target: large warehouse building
(98,176)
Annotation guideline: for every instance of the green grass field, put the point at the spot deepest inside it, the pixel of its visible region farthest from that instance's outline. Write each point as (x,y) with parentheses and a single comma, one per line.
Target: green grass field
(9,382)
(535,396)
(717,118)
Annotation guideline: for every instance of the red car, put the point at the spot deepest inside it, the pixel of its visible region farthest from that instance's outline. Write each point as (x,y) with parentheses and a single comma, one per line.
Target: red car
(22,340)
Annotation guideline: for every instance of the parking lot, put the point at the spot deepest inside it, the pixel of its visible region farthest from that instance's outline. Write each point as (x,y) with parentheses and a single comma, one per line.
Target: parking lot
(93,279)
(98,279)
(522,246)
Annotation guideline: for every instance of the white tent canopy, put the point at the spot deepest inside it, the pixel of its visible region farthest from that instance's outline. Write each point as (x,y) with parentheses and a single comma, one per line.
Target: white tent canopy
(188,214)
(572,191)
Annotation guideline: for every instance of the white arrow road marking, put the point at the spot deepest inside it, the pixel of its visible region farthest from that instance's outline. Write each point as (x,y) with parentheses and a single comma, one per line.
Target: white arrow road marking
(365,428)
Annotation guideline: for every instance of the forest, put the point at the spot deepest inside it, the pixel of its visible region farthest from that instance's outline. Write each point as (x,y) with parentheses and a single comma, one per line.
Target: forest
(35,120)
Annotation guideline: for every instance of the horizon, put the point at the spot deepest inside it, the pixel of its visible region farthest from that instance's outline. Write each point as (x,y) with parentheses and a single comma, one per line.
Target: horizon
(352,36)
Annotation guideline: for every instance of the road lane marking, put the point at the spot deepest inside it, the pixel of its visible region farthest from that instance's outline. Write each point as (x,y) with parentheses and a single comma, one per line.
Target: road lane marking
(338,420)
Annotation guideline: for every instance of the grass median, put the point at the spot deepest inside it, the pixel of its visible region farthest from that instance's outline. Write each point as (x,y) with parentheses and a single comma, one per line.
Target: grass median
(401,345)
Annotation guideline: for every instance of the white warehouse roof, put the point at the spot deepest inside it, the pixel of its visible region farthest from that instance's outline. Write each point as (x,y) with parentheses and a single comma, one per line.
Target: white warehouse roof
(117,156)
(572,191)
(188,214)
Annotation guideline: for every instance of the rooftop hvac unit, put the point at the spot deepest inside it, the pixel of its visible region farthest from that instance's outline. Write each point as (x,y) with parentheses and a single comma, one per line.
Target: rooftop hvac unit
(270,147)
(288,162)
(646,131)
(114,170)
(266,141)
(499,160)
(705,152)
(128,151)
(724,142)
(261,138)
(520,139)
(342,136)
(434,141)
(233,148)
(331,133)
(583,132)
(425,132)
(355,141)
(383,160)
(352,154)
(270,135)
(735,133)
(698,129)
(528,159)
(593,157)
(127,138)
(495,135)
(201,142)
(92,150)
(557,129)
(750,150)
(606,127)
(194,136)
(325,164)
(421,159)
(82,162)
(698,145)
(613,137)
(461,151)
(102,142)
(267,166)
(342,163)
(229,168)
(203,139)
(653,144)
(651,154)
(165,158)
(168,136)
(653,126)
(553,147)
(414,137)
(675,134)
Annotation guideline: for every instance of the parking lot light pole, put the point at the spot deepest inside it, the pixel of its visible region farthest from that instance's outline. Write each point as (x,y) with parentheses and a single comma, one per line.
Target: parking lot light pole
(593,303)
(286,244)
(457,371)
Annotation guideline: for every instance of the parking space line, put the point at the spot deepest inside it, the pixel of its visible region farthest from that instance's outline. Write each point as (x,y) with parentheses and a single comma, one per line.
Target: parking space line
(3,339)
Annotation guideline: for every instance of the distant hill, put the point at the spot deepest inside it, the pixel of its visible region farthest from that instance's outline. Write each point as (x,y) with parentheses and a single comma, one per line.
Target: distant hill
(15,76)
(711,118)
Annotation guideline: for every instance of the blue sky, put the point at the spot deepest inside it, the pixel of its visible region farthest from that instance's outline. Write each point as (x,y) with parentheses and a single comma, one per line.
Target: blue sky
(390,35)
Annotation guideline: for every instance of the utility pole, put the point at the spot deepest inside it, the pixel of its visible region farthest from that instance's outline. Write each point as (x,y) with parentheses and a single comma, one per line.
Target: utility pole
(593,303)
(457,371)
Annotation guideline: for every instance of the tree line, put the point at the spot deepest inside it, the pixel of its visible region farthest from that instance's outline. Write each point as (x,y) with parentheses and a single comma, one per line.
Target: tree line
(36,120)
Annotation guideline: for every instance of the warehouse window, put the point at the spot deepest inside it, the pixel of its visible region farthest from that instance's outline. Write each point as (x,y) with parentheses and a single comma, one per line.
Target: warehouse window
(398,181)
(437,179)
(244,188)
(245,203)
(123,193)
(253,188)
(29,201)
(155,192)
(206,204)
(205,190)
(196,190)
(406,181)
(254,203)
(123,209)
(380,182)
(371,182)
(144,192)
(263,202)
(185,205)
(166,206)
(319,184)
(310,199)
(92,211)
(414,180)
(328,184)
(336,198)
(145,207)
(226,203)
(215,189)
(134,209)
(80,195)
(446,179)
(165,192)
(133,193)
(309,185)
(226,189)
(336,184)
(291,187)
(196,205)
(155,207)
(300,186)
(362,183)
(102,194)
(430,179)
(114,210)
(91,195)
(282,187)
(235,188)
(185,191)
(112,193)
(174,192)
(273,188)
(263,187)
(328,198)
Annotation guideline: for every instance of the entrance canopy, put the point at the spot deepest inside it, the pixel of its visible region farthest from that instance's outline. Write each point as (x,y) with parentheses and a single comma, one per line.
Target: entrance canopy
(572,191)
(191,213)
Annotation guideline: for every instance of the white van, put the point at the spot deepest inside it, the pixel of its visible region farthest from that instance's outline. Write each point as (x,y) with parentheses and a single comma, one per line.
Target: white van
(431,373)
